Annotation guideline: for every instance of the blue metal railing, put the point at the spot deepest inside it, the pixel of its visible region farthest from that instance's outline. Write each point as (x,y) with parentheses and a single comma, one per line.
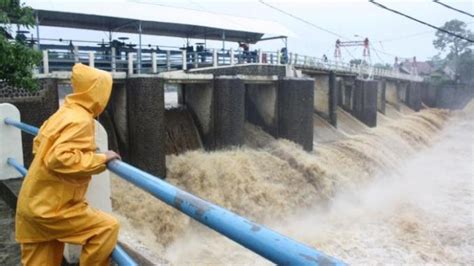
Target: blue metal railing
(118,255)
(263,241)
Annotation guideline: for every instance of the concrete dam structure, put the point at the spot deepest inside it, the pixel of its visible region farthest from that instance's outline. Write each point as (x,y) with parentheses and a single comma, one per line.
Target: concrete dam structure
(302,150)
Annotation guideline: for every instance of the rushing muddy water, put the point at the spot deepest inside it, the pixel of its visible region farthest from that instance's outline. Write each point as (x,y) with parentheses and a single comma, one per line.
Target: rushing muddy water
(400,193)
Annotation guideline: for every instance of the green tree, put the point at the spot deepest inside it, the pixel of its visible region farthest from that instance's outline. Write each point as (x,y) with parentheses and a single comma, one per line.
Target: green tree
(459,55)
(455,45)
(17,59)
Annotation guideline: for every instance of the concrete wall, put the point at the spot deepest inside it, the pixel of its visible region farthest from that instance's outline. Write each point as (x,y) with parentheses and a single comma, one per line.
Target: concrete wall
(391,93)
(403,91)
(321,94)
(453,96)
(365,102)
(115,120)
(295,105)
(346,93)
(199,99)
(261,106)
(145,113)
(413,96)
(428,94)
(34,108)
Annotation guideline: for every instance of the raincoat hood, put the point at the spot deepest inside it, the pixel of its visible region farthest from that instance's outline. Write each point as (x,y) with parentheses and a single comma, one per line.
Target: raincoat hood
(91,88)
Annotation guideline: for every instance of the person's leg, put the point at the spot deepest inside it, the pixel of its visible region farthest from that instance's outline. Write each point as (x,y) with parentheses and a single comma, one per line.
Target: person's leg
(99,247)
(49,253)
(98,240)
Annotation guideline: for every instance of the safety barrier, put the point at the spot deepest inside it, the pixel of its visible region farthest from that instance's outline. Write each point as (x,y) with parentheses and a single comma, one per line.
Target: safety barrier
(261,240)
(61,58)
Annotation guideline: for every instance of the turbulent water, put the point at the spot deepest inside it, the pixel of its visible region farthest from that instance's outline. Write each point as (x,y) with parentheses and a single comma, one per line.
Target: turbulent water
(399,193)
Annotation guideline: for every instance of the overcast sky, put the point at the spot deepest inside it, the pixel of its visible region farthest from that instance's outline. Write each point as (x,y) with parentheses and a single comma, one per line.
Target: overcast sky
(390,34)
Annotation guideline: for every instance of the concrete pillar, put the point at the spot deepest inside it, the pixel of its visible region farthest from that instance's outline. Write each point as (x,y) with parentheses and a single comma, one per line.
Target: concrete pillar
(333,99)
(413,96)
(145,112)
(382,86)
(295,110)
(229,111)
(365,102)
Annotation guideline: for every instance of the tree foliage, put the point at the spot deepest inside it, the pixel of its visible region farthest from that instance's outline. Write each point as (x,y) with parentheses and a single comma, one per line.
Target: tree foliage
(17,59)
(459,53)
(455,45)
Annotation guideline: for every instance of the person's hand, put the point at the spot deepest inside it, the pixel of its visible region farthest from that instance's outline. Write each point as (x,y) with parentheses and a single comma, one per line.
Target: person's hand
(111,155)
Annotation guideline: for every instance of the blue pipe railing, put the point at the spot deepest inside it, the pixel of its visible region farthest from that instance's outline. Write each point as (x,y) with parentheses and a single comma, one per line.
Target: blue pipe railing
(118,254)
(25,127)
(263,241)
(22,170)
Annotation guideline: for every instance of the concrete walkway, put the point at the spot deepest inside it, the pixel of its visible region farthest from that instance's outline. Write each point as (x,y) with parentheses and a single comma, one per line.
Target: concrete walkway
(9,249)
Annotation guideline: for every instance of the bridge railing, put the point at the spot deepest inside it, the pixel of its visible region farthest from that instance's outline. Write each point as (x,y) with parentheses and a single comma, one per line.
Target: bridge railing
(261,240)
(155,61)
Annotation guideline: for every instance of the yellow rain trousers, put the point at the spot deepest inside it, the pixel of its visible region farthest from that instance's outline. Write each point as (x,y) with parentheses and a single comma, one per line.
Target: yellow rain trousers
(52,209)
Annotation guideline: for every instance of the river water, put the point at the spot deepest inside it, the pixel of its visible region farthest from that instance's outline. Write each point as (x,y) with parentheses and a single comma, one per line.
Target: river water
(402,193)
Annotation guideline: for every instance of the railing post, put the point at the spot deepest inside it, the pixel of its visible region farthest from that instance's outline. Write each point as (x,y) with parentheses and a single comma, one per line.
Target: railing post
(290,59)
(45,62)
(231,57)
(214,58)
(76,54)
(91,59)
(153,62)
(196,59)
(260,55)
(278,57)
(130,63)
(168,60)
(184,60)
(305,60)
(113,64)
(10,141)
(296,59)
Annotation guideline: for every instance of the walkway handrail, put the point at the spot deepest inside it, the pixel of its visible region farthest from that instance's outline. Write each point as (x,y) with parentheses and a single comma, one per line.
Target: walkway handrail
(118,254)
(263,241)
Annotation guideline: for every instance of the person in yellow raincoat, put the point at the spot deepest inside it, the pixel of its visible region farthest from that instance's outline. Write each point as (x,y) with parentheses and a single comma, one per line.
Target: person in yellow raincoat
(52,209)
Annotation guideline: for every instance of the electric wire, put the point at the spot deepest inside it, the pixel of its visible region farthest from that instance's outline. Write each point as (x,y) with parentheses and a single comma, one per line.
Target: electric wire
(422,22)
(453,8)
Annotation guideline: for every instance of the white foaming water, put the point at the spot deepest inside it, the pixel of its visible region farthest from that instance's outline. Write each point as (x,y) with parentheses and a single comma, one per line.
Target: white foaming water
(422,214)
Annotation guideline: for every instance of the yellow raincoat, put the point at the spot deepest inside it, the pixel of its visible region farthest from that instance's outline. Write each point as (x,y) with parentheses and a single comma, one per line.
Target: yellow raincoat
(52,209)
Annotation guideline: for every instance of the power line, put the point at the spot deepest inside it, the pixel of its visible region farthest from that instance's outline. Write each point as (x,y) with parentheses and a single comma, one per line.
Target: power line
(303,20)
(455,9)
(422,22)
